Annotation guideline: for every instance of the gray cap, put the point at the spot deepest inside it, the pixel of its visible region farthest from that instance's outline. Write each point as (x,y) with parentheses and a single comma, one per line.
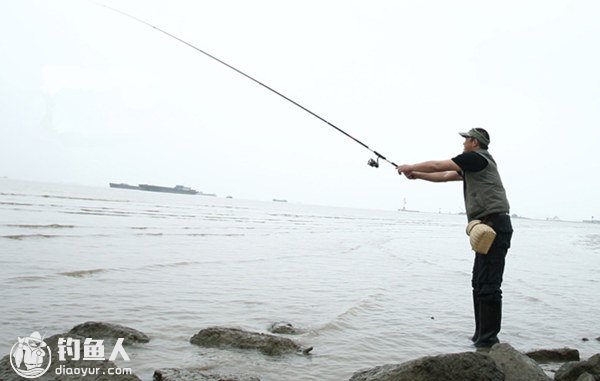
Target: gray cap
(477,133)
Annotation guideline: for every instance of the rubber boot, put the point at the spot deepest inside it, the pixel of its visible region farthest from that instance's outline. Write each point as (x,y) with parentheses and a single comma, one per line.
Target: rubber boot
(490,318)
(476,313)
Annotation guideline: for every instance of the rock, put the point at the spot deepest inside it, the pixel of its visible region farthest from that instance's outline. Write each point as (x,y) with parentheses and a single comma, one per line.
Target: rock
(65,368)
(111,332)
(174,374)
(218,337)
(586,377)
(571,371)
(467,366)
(515,365)
(283,327)
(554,355)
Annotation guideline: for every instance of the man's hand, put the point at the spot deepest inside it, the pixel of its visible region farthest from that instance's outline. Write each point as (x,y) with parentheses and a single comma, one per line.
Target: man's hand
(407,170)
(404,168)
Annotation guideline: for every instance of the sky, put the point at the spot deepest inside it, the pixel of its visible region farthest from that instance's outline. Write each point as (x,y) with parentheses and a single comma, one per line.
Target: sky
(88,96)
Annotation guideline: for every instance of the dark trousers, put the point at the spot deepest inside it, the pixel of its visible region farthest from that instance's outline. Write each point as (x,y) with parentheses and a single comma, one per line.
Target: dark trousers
(488,270)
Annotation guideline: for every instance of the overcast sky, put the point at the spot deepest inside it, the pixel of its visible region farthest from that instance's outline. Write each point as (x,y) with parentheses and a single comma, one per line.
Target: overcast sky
(89,96)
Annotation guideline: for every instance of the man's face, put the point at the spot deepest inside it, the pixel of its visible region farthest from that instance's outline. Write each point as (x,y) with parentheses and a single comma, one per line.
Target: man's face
(470,145)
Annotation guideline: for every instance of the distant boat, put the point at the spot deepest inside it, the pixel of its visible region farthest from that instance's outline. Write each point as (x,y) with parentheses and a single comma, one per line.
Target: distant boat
(177,189)
(180,189)
(279,200)
(123,186)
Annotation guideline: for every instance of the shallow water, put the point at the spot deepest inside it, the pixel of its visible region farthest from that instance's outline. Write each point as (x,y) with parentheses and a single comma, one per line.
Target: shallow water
(367,287)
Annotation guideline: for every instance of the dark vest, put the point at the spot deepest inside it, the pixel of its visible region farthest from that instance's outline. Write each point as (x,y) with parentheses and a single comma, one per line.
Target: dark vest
(483,190)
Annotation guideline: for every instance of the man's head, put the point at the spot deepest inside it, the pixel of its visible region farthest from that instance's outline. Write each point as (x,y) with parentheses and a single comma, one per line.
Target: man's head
(476,138)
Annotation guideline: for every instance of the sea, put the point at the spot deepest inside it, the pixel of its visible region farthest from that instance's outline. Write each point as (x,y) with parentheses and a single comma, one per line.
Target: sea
(363,287)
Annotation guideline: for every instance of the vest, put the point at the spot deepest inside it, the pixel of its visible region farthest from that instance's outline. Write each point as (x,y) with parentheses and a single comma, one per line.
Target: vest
(483,190)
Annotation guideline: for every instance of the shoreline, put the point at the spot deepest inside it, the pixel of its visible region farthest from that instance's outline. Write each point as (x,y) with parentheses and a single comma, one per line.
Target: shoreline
(502,361)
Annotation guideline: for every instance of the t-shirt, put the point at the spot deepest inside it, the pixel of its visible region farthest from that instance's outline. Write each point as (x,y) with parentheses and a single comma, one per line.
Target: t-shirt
(470,162)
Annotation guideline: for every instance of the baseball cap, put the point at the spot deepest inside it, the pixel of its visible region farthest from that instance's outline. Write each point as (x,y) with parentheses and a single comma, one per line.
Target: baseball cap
(477,133)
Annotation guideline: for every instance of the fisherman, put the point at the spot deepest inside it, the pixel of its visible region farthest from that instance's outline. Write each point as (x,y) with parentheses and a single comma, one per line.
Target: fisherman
(485,200)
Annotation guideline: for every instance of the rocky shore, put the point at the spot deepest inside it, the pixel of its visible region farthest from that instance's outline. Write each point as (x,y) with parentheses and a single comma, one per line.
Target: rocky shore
(501,363)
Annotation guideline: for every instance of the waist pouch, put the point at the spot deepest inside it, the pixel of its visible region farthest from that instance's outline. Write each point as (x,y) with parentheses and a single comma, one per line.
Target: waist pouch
(481,236)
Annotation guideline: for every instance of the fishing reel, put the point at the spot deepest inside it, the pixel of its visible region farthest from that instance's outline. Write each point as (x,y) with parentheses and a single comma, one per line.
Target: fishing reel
(374,163)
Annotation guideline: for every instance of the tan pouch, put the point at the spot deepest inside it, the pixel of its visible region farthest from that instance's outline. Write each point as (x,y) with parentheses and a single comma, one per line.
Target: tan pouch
(481,236)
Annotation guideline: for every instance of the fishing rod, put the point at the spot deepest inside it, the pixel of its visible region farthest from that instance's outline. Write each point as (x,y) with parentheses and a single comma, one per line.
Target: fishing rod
(371,162)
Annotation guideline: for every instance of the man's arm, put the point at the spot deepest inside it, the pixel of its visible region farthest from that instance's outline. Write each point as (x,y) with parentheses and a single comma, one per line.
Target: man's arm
(430,166)
(436,177)
(436,171)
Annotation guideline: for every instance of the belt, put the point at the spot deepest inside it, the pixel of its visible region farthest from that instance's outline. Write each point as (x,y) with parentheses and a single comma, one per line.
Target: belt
(488,217)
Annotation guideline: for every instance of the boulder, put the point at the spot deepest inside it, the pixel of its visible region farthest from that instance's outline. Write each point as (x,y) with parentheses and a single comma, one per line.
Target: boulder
(219,337)
(283,327)
(554,355)
(586,377)
(515,365)
(571,371)
(66,370)
(190,374)
(111,332)
(467,366)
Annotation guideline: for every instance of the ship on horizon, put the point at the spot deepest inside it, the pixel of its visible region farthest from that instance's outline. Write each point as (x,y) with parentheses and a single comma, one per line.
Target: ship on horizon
(179,189)
(123,186)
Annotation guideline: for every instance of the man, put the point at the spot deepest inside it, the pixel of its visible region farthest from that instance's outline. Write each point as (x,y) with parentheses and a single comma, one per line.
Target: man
(485,200)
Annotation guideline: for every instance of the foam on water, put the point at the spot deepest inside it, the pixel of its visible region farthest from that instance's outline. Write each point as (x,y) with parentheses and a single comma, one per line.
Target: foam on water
(364,287)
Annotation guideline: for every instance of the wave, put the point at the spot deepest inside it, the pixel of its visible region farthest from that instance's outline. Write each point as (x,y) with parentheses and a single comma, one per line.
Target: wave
(25,236)
(62,197)
(173,264)
(50,226)
(20,237)
(96,214)
(213,235)
(78,198)
(31,278)
(83,273)
(91,272)
(343,320)
(72,274)
(126,213)
(203,227)
(590,240)
(353,248)
(192,234)
(14,203)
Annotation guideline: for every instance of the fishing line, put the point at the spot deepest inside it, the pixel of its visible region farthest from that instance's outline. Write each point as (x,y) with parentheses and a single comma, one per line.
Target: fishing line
(371,162)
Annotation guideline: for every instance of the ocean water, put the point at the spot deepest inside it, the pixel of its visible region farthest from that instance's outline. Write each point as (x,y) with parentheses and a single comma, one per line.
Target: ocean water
(366,287)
